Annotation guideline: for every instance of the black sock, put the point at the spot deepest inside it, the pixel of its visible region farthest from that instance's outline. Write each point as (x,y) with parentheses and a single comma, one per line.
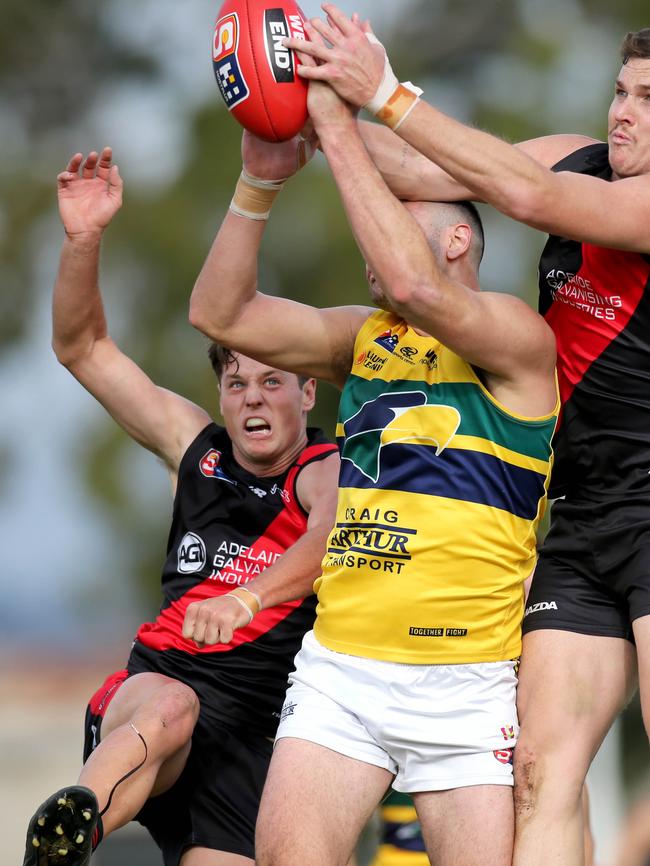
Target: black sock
(98,833)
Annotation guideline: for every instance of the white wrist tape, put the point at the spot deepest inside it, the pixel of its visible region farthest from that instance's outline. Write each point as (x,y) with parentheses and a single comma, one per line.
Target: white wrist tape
(392,102)
(253,196)
(387,84)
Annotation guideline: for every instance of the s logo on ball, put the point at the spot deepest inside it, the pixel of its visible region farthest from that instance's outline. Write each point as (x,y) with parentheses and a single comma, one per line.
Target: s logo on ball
(226,65)
(256,74)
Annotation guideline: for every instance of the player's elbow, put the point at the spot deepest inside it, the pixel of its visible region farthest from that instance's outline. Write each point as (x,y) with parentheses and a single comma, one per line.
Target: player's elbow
(67,353)
(414,294)
(529,201)
(203,317)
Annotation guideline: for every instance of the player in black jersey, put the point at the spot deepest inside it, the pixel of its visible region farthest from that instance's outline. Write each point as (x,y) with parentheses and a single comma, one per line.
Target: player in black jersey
(181,738)
(587,624)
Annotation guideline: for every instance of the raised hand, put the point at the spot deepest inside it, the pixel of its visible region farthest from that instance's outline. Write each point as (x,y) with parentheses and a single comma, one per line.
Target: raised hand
(277,161)
(90,193)
(348,56)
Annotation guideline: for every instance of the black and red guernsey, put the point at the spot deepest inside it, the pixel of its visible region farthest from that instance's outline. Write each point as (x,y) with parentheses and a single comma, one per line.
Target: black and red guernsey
(228,525)
(597,302)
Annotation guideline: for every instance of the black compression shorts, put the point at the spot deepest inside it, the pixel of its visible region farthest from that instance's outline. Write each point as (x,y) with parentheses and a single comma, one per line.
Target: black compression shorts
(215,801)
(593,573)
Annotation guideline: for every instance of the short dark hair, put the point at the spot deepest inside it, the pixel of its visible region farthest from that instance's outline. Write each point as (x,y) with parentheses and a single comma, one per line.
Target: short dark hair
(636,44)
(221,357)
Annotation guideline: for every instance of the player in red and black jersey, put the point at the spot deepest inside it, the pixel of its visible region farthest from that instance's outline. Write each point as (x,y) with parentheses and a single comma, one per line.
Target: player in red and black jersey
(587,624)
(182,737)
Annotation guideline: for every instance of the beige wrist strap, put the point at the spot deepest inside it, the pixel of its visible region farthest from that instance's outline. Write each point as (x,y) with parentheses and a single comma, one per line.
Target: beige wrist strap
(398,106)
(254,197)
(250,600)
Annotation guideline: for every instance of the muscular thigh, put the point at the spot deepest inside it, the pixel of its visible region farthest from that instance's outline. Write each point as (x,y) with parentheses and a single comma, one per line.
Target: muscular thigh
(115,702)
(471,826)
(571,688)
(134,693)
(315,804)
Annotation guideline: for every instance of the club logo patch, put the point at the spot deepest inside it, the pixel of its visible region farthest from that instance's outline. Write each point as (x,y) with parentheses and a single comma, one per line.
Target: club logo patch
(209,462)
(210,468)
(503,756)
(225,62)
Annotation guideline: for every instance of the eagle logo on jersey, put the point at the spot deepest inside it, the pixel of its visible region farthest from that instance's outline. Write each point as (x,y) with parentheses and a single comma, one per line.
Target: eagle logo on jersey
(391,418)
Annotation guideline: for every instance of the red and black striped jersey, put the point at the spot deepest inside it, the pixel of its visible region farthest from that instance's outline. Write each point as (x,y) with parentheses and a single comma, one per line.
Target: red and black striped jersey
(597,302)
(229,525)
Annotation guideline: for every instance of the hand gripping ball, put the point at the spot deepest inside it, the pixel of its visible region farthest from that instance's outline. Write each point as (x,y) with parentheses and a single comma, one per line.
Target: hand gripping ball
(256,74)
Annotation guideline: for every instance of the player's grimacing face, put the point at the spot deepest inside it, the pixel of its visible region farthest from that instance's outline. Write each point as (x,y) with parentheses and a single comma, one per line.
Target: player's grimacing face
(628,121)
(264,412)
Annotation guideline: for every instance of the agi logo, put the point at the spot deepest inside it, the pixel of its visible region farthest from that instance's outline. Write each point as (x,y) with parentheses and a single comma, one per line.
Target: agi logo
(277,28)
(227,71)
(191,553)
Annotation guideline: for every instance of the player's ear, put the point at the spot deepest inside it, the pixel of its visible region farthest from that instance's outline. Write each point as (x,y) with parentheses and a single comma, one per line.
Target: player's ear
(459,238)
(309,395)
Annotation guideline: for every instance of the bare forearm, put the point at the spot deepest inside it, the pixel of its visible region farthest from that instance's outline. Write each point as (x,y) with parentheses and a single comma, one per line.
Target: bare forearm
(488,168)
(408,174)
(228,279)
(292,576)
(388,236)
(77,310)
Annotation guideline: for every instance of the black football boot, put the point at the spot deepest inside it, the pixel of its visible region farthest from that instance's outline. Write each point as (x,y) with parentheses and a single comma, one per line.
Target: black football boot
(60,832)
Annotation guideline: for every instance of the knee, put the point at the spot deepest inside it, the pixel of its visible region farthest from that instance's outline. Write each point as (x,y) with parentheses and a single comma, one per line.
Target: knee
(545,783)
(175,711)
(528,779)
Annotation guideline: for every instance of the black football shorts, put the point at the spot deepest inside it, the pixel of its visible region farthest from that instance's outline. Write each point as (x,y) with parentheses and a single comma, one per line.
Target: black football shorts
(593,572)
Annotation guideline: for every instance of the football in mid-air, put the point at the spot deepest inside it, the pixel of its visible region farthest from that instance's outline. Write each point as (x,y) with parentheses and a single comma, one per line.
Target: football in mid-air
(256,74)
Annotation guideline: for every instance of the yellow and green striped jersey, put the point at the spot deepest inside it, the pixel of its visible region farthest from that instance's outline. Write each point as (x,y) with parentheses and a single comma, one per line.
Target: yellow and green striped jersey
(441,490)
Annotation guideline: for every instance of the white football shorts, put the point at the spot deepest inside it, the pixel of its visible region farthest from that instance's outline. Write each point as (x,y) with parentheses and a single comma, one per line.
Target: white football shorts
(435,727)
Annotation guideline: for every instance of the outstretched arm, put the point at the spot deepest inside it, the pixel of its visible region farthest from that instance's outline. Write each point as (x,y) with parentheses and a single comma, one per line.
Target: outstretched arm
(90,194)
(289,578)
(411,176)
(227,306)
(506,177)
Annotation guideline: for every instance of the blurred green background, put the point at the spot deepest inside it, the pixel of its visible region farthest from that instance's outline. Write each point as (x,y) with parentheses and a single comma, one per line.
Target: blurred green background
(84,512)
